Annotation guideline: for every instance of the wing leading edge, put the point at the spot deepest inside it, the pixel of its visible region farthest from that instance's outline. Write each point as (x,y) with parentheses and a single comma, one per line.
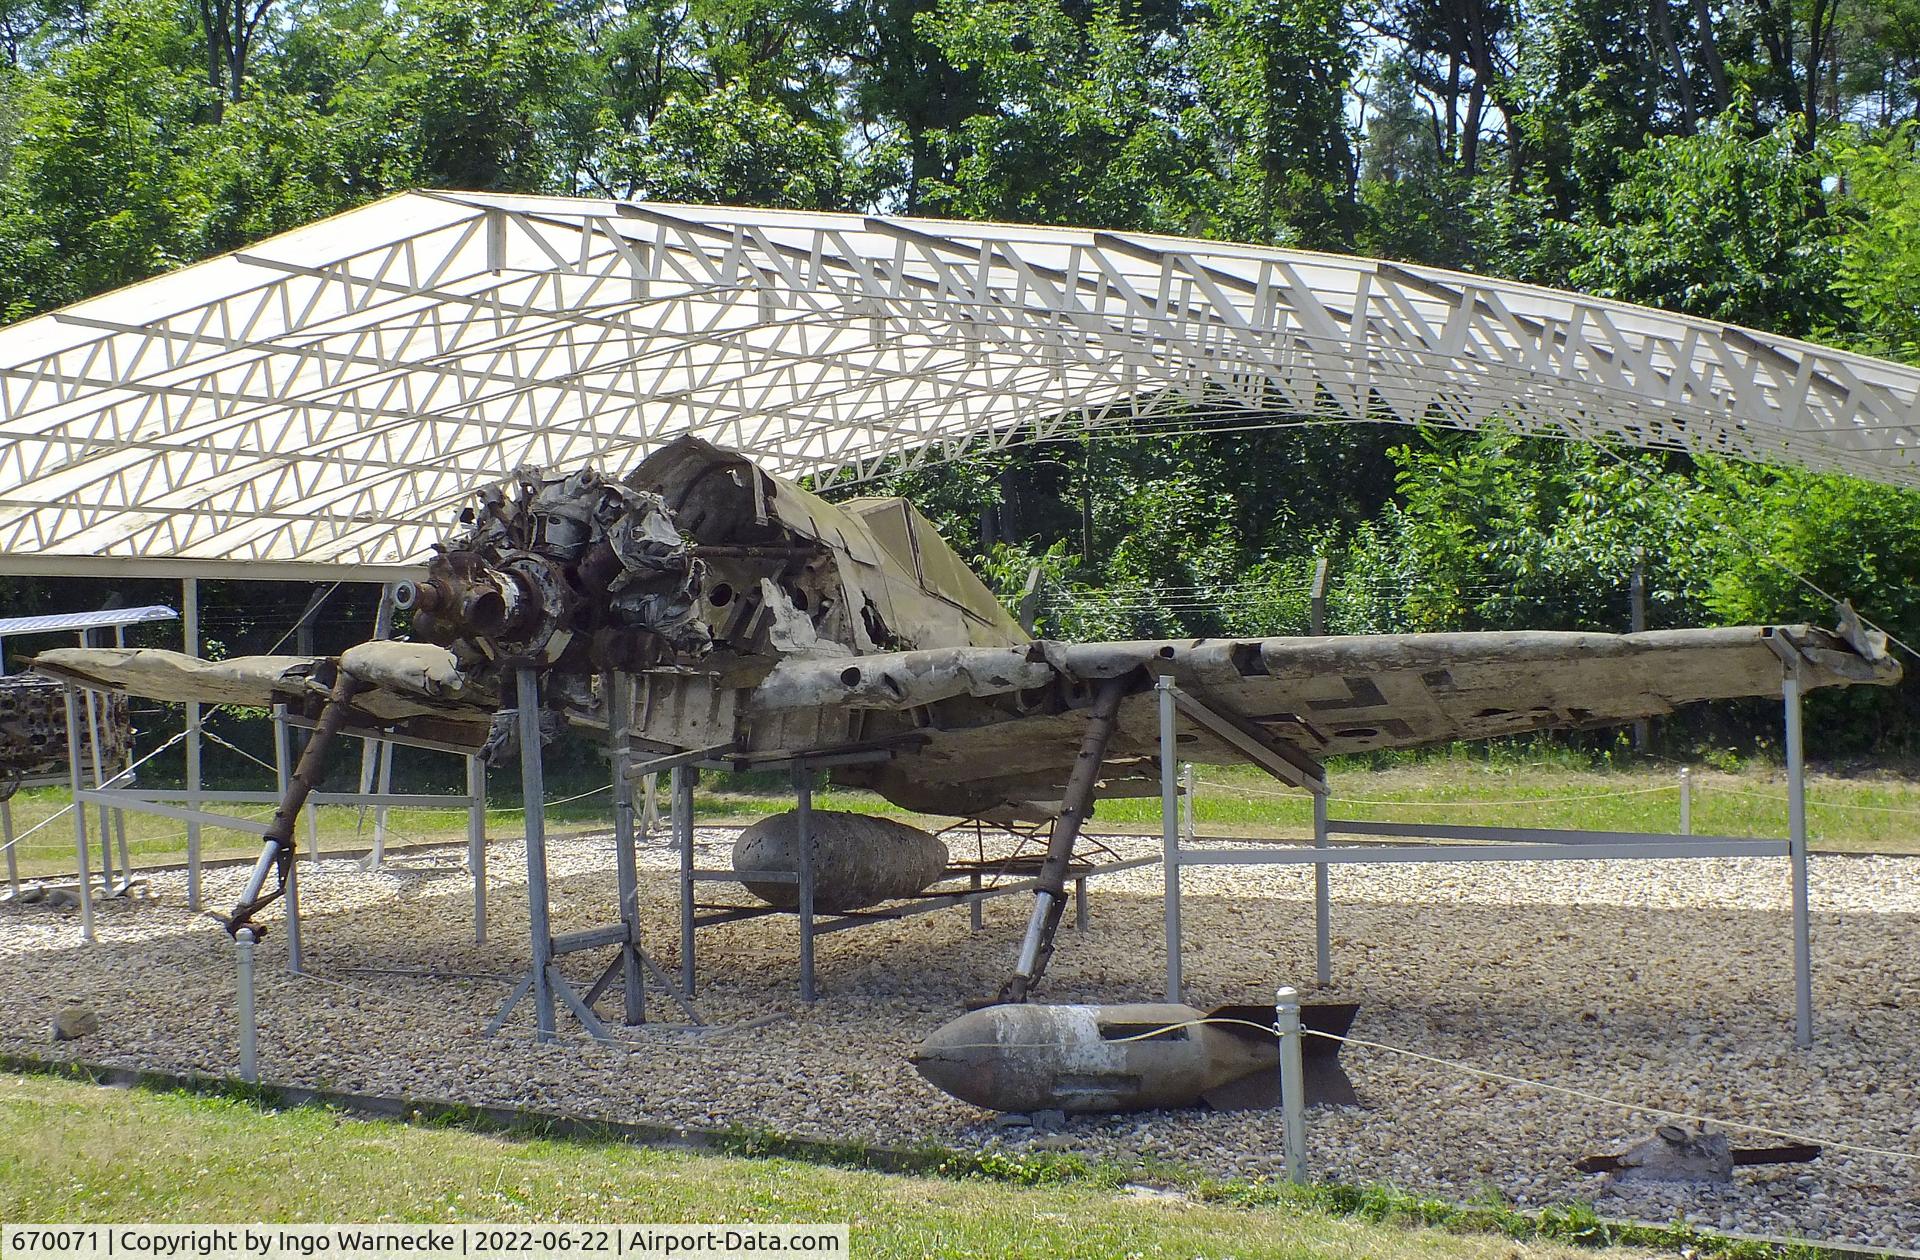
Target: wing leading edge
(999,726)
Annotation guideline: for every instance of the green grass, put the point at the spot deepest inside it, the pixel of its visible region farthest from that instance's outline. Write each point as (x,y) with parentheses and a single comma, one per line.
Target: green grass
(69,1154)
(1844,813)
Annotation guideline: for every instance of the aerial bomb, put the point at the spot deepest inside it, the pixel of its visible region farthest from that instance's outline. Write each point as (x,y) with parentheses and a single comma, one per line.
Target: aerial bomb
(1129,1057)
(857,859)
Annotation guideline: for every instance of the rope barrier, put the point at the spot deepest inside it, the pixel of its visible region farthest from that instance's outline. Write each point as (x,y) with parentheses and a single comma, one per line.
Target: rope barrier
(1605,1100)
(1488,1073)
(116,777)
(1781,800)
(565,800)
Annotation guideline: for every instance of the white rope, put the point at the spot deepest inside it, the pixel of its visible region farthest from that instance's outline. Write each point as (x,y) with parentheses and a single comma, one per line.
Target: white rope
(565,800)
(1605,1100)
(116,777)
(1811,804)
(1488,1073)
(229,744)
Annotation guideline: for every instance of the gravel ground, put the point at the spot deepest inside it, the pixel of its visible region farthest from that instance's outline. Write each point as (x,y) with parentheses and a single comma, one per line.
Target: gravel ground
(1668,984)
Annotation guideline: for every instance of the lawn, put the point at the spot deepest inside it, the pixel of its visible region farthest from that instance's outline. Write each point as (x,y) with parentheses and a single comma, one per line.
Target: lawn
(1880,812)
(73,1153)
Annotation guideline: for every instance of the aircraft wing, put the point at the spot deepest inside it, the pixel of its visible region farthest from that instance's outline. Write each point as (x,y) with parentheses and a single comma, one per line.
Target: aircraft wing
(415,684)
(995,730)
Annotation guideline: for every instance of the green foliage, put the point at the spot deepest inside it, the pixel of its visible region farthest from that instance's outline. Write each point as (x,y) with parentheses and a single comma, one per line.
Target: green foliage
(1722,224)
(1878,275)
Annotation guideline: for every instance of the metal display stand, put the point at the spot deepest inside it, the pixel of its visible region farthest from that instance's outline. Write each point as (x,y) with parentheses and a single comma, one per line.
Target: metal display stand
(814,924)
(189,805)
(543,981)
(1493,844)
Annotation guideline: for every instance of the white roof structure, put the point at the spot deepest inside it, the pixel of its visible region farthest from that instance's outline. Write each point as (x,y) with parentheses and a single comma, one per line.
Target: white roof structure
(322,403)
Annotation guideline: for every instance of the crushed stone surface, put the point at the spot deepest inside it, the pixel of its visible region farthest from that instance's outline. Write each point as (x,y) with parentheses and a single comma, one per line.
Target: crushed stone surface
(1661,984)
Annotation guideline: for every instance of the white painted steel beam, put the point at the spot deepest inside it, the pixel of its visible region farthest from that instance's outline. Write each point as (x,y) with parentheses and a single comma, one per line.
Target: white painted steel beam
(322,402)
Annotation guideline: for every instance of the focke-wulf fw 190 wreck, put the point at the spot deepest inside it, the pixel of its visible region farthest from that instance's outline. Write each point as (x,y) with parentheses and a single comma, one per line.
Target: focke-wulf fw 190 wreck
(753,619)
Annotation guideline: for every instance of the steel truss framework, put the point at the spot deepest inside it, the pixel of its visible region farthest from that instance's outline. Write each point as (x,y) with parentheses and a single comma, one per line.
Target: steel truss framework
(322,402)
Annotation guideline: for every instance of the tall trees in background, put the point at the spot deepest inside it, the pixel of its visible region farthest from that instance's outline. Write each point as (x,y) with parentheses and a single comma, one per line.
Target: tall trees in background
(1743,160)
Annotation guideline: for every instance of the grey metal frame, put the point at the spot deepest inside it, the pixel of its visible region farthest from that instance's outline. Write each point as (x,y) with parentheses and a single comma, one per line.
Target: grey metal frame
(812,924)
(161,802)
(1492,844)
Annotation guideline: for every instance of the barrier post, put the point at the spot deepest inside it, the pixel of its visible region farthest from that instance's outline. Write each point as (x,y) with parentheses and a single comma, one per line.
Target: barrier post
(1293,1083)
(249,1049)
(1686,801)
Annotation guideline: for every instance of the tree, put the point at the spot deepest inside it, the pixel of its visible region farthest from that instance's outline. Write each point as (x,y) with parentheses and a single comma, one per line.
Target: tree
(1722,224)
(1878,276)
(1272,81)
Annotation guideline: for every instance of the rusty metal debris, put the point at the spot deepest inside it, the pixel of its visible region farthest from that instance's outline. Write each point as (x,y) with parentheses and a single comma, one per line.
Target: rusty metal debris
(33,730)
(1129,1057)
(1676,1153)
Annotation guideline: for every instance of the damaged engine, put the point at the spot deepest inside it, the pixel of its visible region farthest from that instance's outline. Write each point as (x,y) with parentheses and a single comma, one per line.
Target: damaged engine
(33,730)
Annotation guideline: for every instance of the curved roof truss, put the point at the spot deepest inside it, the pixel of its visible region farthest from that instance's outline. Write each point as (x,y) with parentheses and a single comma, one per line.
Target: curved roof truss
(320,404)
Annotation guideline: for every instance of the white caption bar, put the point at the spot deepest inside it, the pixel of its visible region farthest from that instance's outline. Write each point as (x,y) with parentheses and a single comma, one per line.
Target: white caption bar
(413,1242)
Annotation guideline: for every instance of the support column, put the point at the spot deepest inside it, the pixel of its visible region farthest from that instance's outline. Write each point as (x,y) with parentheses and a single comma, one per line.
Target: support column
(1049,894)
(1169,832)
(803,841)
(681,810)
(6,838)
(533,799)
(282,775)
(378,754)
(1322,910)
(99,781)
(190,643)
(615,688)
(477,843)
(1797,853)
(81,864)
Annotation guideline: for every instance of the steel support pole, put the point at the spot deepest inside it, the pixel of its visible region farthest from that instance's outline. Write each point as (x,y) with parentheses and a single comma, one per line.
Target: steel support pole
(533,799)
(99,781)
(1169,832)
(1322,907)
(6,837)
(1797,855)
(375,754)
(79,818)
(249,1032)
(477,843)
(973,904)
(616,690)
(126,756)
(282,775)
(190,634)
(803,842)
(1293,1083)
(681,810)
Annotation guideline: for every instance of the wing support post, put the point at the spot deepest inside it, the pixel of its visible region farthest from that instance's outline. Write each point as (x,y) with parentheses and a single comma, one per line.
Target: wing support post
(1287,764)
(276,854)
(1049,894)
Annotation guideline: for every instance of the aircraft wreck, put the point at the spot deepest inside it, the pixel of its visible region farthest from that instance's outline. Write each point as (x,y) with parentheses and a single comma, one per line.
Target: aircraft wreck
(755,620)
